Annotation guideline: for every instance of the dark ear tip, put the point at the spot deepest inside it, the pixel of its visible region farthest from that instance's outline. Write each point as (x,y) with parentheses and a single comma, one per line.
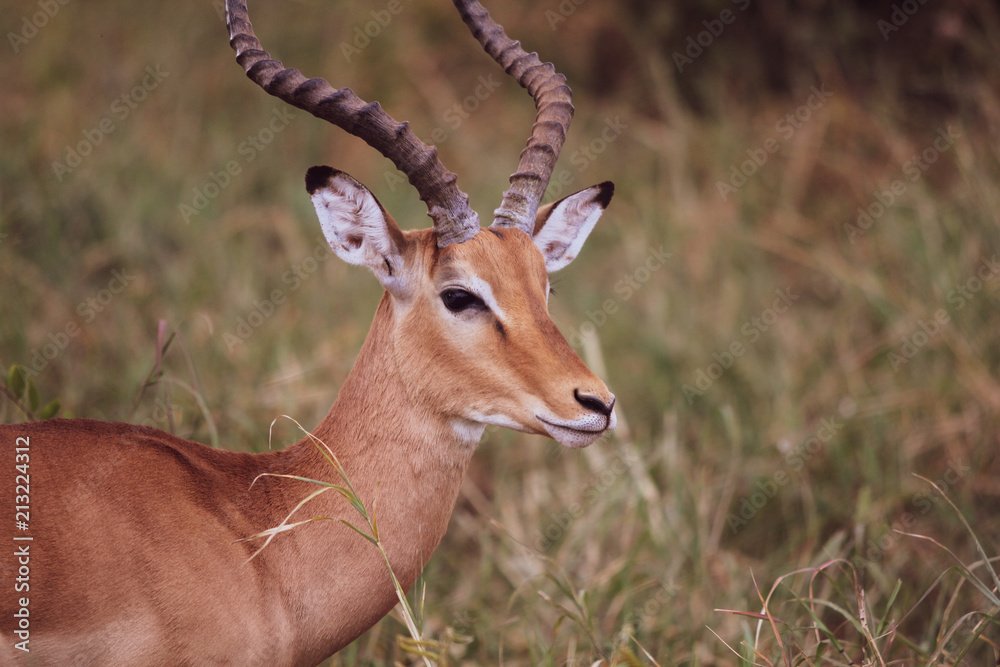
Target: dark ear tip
(606,190)
(318,177)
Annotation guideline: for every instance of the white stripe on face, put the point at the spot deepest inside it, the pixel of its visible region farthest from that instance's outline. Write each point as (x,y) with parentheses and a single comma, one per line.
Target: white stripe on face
(482,289)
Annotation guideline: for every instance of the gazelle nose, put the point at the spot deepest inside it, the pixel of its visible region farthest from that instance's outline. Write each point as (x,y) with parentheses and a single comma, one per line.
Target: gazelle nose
(594,403)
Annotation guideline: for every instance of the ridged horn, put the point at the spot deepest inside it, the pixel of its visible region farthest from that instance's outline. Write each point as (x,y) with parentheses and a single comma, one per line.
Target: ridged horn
(554,111)
(454,220)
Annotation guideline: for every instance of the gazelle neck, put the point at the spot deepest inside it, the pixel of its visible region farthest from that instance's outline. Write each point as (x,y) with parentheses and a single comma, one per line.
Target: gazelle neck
(375,418)
(394,450)
(404,462)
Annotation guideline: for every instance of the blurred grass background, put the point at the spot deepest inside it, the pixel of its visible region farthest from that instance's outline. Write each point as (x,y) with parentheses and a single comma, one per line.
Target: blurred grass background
(797,451)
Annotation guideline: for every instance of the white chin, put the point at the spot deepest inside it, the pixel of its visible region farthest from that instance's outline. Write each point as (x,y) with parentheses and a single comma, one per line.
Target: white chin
(571,437)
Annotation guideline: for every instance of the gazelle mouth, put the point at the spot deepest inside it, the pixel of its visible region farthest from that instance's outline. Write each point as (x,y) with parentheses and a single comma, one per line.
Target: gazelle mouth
(572,436)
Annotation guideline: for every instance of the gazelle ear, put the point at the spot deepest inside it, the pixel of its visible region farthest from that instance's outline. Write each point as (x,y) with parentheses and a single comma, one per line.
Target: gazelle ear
(562,226)
(356,226)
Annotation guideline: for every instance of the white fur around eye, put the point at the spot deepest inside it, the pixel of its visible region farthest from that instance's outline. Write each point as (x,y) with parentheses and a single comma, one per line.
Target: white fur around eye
(482,289)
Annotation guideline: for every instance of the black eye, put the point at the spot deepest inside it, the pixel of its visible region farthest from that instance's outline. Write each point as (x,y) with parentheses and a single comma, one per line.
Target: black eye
(456,300)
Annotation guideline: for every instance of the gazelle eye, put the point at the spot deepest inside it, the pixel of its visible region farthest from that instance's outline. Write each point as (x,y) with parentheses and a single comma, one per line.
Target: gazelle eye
(456,300)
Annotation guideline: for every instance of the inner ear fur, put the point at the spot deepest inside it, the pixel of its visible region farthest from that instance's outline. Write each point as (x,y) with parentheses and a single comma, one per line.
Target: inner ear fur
(356,225)
(562,227)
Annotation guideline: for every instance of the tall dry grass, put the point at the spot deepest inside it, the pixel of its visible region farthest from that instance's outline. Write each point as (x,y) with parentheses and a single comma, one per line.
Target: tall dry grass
(798,454)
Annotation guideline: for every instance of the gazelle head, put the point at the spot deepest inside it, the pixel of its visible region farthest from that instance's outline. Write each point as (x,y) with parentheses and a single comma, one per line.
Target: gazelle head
(472,330)
(472,336)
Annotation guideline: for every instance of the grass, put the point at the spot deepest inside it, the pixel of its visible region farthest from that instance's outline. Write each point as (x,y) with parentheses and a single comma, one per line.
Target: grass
(416,644)
(787,478)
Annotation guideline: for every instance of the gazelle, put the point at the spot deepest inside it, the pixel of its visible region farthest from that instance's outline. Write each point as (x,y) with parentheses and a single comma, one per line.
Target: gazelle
(134,556)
